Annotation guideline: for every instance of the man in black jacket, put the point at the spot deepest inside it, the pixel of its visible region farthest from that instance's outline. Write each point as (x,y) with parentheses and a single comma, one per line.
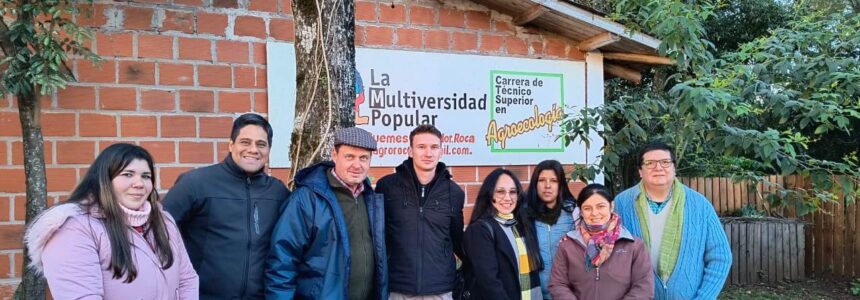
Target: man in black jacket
(226,213)
(423,221)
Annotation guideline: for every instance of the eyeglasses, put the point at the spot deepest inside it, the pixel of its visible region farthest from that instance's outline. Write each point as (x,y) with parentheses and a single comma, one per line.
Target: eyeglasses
(500,193)
(652,164)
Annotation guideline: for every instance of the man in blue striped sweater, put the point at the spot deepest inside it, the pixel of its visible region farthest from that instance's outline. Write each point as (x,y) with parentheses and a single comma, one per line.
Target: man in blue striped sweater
(688,246)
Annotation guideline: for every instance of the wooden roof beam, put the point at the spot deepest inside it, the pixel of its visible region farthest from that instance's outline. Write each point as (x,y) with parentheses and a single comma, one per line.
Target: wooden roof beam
(623,73)
(640,58)
(530,15)
(598,41)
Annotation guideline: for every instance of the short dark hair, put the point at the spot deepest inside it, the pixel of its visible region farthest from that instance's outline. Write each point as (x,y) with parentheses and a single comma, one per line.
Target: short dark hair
(591,190)
(251,119)
(425,128)
(653,146)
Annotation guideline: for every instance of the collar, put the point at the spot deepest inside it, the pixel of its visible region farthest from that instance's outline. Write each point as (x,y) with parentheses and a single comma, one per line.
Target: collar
(355,191)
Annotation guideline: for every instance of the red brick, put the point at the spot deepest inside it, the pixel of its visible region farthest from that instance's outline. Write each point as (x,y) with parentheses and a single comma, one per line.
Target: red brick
(10,124)
(103,73)
(574,53)
(263,5)
(12,181)
(112,98)
(153,1)
(6,266)
(504,27)
(516,46)
(492,43)
(97,125)
(249,77)
(215,127)
(92,15)
(463,174)
(449,17)
(409,37)
(467,213)
(230,51)
(365,11)
(465,41)
(226,3)
(280,173)
(287,7)
(61,179)
(195,49)
(522,172)
(536,47)
(192,152)
(261,102)
(137,72)
(259,53)
(238,102)
(178,126)
(556,48)
(115,44)
(138,126)
(222,148)
(18,264)
(196,3)
(162,152)
(4,152)
(57,124)
(196,101)
(478,20)
(484,171)
(175,74)
(10,236)
(379,35)
(18,152)
(168,175)
(420,15)
(392,13)
(154,46)
(282,29)
(5,210)
(77,97)
(377,172)
(19,208)
(158,100)
(360,35)
(138,18)
(436,39)
(211,23)
(178,21)
(472,192)
(250,26)
(75,152)
(214,76)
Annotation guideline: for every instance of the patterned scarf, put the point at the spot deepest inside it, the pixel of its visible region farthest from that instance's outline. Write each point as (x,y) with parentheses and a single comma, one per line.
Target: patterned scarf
(523,255)
(670,246)
(600,241)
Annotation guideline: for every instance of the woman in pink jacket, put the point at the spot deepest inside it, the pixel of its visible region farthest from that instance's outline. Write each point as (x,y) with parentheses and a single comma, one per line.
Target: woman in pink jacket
(112,240)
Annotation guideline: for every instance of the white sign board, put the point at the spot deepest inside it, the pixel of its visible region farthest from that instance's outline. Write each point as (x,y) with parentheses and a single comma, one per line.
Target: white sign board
(491,110)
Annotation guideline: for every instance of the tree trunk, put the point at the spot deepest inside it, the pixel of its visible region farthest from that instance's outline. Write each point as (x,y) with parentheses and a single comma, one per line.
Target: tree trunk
(32,284)
(325,77)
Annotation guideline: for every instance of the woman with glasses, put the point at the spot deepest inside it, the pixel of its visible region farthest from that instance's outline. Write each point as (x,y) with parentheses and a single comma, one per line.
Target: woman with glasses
(501,250)
(599,259)
(552,209)
(111,239)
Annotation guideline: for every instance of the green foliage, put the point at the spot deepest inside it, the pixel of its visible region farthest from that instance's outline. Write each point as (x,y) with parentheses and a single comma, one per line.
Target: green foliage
(37,43)
(749,211)
(855,287)
(740,21)
(751,112)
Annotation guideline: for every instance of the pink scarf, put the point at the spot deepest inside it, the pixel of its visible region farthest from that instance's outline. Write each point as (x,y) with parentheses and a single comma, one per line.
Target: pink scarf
(599,243)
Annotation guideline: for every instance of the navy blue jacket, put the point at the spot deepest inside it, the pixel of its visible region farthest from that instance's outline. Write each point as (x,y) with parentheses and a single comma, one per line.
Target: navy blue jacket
(422,234)
(310,245)
(226,218)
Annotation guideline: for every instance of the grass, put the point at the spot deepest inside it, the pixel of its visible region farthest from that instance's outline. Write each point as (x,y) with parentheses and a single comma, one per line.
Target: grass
(806,290)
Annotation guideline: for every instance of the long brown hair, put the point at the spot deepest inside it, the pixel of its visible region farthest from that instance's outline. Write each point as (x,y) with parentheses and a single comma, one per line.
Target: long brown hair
(96,192)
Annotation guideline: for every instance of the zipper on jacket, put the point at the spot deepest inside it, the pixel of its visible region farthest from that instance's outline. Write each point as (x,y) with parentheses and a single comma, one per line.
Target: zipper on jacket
(248,253)
(256,219)
(597,278)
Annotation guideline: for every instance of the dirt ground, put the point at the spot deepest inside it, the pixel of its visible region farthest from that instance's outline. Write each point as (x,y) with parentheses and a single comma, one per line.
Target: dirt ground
(812,289)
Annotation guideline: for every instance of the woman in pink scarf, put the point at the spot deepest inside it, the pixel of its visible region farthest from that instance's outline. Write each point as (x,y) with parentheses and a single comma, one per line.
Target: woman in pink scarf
(111,239)
(599,259)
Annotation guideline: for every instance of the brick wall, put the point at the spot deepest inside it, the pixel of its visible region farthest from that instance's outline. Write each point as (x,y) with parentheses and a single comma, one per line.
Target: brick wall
(176,72)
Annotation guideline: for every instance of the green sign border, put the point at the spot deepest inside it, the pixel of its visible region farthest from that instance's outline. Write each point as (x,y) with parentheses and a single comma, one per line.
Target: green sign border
(493,74)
